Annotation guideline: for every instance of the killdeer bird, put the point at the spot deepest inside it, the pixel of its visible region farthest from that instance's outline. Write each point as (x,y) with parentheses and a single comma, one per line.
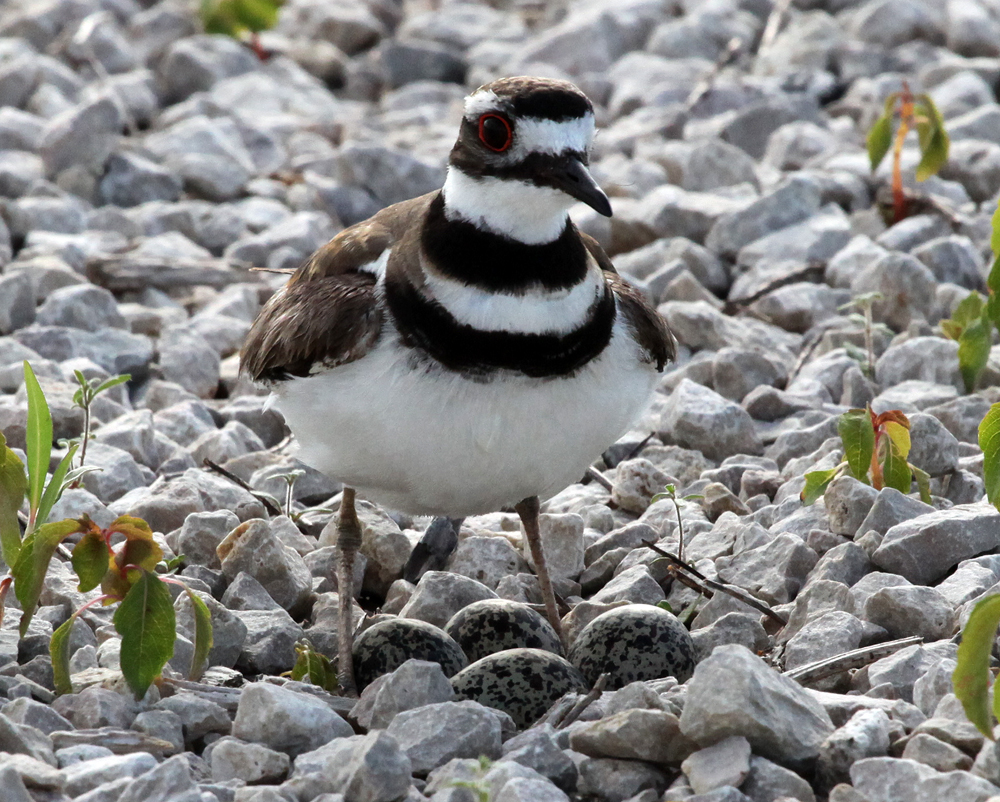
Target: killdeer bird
(470,349)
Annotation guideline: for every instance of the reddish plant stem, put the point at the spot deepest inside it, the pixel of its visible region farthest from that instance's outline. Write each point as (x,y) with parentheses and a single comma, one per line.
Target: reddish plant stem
(906,120)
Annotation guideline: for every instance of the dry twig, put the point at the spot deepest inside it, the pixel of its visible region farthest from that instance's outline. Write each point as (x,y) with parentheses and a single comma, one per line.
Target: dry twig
(743,596)
(269,505)
(858,658)
(600,478)
(704,86)
(583,702)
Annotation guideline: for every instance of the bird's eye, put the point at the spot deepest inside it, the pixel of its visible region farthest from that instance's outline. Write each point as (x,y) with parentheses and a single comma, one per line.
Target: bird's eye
(495,133)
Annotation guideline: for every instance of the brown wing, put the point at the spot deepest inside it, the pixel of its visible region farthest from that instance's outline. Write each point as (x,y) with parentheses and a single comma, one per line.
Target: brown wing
(648,326)
(329,313)
(602,259)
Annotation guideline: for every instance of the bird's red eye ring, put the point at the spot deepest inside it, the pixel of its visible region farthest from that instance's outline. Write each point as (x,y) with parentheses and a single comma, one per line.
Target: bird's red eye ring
(495,132)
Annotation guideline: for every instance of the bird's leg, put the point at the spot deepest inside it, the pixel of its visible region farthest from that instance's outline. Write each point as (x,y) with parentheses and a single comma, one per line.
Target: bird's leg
(528,510)
(348,543)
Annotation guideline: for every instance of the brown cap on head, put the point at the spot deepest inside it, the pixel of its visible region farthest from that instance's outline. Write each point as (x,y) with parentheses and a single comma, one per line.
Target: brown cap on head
(544,98)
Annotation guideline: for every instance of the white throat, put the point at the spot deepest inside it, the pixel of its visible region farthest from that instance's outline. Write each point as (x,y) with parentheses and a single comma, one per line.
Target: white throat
(519,210)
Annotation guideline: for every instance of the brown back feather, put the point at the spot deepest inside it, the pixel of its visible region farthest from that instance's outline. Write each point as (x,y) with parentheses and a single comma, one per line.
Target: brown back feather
(329,313)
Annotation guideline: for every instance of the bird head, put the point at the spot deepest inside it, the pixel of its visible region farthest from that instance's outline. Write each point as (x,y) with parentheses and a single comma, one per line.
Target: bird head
(520,161)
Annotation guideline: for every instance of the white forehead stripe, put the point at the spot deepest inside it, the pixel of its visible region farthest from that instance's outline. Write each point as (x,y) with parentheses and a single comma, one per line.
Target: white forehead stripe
(481,102)
(537,135)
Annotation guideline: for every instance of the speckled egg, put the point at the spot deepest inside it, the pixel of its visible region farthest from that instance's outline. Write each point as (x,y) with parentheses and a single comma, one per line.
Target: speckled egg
(523,683)
(385,646)
(636,642)
(495,625)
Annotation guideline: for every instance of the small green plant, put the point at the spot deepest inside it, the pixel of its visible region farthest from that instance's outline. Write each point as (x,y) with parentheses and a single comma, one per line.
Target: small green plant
(971,327)
(989,442)
(236,18)
(287,506)
(42,496)
(875,452)
(127,574)
(478,786)
(290,479)
(84,397)
(908,111)
(971,678)
(863,318)
(670,492)
(975,317)
(313,667)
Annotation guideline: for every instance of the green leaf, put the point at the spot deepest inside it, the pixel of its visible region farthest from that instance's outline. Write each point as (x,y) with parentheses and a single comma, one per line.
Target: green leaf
(898,431)
(233,17)
(39,438)
(114,381)
(816,484)
(91,560)
(950,329)
(989,442)
(933,138)
(257,15)
(313,667)
(895,469)
(202,634)
(13,483)
(923,480)
(33,563)
(968,309)
(972,674)
(974,350)
(56,485)
(145,620)
(880,136)
(665,605)
(993,278)
(139,548)
(993,308)
(59,651)
(858,437)
(995,236)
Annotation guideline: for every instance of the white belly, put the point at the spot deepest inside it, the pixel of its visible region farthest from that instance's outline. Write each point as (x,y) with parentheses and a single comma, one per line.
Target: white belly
(434,443)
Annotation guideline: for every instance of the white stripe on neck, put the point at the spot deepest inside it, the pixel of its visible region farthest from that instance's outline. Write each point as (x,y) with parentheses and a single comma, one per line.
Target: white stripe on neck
(538,311)
(519,210)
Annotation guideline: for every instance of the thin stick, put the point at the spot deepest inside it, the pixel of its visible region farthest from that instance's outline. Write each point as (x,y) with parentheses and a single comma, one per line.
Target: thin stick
(705,85)
(773,26)
(583,702)
(809,271)
(600,478)
(743,596)
(694,584)
(858,658)
(269,505)
(638,448)
(284,271)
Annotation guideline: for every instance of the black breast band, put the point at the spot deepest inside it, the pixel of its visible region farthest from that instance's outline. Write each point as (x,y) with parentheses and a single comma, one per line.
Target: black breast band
(426,325)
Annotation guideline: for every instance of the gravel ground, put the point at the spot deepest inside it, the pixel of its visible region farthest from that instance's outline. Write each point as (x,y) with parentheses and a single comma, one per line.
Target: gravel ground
(144,167)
